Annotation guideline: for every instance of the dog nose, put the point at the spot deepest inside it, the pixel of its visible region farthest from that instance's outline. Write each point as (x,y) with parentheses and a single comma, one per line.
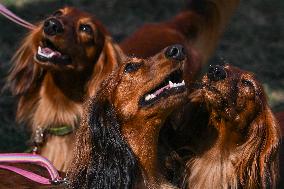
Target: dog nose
(52,26)
(175,52)
(216,73)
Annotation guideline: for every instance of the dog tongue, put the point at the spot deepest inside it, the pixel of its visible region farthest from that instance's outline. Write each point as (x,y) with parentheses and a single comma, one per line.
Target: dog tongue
(47,52)
(161,90)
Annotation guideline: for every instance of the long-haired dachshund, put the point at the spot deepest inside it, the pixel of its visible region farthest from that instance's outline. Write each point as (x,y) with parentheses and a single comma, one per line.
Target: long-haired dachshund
(59,63)
(198,27)
(117,143)
(70,53)
(241,142)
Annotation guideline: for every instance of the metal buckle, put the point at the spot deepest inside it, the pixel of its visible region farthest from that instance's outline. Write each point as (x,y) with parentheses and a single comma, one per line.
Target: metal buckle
(59,181)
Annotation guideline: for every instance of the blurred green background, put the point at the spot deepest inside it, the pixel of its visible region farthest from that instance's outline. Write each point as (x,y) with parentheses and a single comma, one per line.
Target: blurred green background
(253,41)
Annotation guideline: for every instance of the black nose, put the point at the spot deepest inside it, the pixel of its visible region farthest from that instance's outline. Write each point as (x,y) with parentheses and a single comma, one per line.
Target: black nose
(176,52)
(52,26)
(216,73)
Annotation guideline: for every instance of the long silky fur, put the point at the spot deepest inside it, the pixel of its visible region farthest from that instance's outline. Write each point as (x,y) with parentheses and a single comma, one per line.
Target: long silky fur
(103,158)
(24,75)
(252,164)
(259,163)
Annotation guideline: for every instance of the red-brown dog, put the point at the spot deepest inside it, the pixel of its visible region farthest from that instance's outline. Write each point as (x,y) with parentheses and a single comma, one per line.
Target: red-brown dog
(122,122)
(240,143)
(67,56)
(59,63)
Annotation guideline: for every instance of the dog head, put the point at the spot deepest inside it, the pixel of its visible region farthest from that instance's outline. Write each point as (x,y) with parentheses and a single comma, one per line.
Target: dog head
(145,90)
(233,94)
(69,40)
(239,110)
(151,86)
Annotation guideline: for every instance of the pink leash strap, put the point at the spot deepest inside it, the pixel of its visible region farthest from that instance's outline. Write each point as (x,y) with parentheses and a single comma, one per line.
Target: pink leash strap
(8,14)
(34,159)
(30,175)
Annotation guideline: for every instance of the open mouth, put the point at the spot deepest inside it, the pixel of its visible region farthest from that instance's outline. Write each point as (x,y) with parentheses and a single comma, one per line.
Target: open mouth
(173,84)
(48,52)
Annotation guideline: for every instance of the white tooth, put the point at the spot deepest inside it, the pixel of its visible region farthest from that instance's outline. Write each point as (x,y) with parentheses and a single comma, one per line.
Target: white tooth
(171,84)
(51,55)
(40,53)
(39,50)
(183,83)
(175,85)
(153,96)
(148,97)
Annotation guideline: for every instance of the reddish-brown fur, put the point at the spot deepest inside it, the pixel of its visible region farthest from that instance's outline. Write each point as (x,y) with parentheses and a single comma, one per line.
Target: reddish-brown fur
(139,125)
(199,27)
(280,118)
(51,94)
(241,144)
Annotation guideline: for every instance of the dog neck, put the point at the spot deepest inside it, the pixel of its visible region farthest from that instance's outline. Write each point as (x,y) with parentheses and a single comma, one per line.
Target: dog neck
(215,167)
(142,136)
(59,150)
(54,107)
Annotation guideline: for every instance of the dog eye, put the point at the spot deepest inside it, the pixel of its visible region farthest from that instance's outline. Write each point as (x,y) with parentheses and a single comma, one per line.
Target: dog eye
(57,13)
(132,67)
(86,28)
(247,83)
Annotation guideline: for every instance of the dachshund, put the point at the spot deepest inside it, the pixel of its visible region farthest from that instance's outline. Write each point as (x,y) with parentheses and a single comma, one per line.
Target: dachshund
(120,134)
(56,68)
(240,145)
(59,63)
(199,27)
(116,145)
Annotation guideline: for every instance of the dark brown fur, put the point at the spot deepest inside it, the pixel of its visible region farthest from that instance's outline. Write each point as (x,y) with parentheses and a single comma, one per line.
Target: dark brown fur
(52,94)
(280,118)
(242,151)
(121,134)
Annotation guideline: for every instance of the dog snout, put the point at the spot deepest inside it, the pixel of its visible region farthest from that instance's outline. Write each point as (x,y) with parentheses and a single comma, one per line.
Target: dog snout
(52,26)
(216,73)
(175,52)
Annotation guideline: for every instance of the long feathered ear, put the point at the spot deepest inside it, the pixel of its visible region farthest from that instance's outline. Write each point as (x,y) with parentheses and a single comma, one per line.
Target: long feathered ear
(25,75)
(260,152)
(102,158)
(108,60)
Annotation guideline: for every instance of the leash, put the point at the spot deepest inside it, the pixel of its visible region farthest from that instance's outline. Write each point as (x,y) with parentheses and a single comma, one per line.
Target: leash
(33,159)
(11,16)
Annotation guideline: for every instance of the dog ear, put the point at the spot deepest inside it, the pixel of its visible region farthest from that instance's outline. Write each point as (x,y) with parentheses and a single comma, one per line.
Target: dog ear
(110,162)
(109,59)
(25,75)
(261,152)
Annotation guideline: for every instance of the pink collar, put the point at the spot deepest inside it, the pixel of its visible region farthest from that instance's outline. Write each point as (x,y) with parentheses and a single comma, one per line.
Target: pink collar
(33,159)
